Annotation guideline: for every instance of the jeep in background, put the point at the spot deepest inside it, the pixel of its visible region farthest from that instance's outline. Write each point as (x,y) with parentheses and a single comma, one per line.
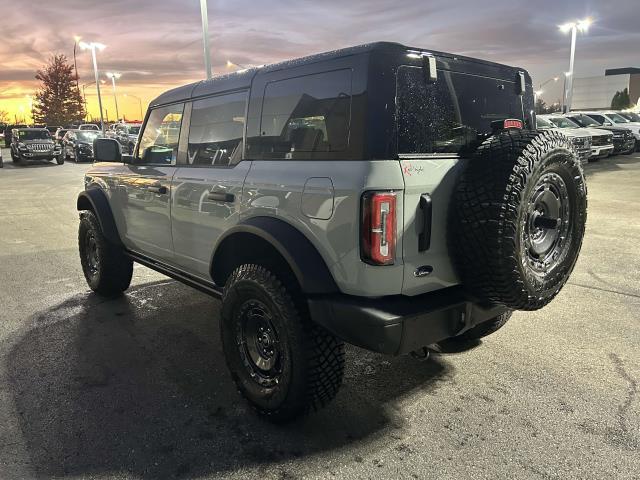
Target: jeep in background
(29,144)
(623,140)
(386,196)
(601,140)
(581,140)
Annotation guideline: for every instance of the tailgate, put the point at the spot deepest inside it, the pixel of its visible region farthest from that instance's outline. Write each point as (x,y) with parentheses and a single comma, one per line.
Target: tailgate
(428,187)
(440,121)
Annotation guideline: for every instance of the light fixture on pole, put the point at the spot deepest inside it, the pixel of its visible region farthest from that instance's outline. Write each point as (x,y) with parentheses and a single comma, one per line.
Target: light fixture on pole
(231,64)
(93,46)
(573,27)
(139,104)
(113,76)
(205,37)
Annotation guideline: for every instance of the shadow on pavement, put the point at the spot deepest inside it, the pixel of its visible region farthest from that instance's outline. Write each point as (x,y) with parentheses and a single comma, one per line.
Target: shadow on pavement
(138,386)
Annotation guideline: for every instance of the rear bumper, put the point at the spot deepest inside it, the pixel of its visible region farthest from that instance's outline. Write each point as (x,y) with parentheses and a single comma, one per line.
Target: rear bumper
(399,324)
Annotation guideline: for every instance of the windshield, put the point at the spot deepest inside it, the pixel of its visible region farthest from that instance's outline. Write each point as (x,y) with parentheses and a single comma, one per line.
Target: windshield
(34,134)
(585,121)
(87,135)
(134,130)
(634,117)
(562,122)
(615,118)
(543,123)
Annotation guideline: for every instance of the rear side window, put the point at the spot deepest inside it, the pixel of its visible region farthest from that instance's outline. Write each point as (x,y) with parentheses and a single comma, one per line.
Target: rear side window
(215,133)
(451,115)
(304,117)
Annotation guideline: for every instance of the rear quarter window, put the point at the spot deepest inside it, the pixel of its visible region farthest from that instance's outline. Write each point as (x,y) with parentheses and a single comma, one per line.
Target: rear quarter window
(304,117)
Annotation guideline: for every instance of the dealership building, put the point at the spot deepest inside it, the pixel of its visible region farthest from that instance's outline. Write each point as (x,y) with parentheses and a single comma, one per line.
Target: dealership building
(595,93)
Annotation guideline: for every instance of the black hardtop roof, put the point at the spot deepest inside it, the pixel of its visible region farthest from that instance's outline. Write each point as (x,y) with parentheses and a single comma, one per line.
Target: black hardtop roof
(242,79)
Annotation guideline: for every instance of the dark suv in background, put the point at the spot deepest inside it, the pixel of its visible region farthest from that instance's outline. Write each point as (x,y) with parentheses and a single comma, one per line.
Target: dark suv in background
(29,144)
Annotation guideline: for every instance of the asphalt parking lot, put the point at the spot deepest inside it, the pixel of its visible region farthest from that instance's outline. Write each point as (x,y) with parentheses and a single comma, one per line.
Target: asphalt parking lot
(136,387)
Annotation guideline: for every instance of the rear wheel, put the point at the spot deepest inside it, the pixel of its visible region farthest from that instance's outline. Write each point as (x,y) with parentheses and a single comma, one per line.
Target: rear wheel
(281,362)
(106,267)
(518,218)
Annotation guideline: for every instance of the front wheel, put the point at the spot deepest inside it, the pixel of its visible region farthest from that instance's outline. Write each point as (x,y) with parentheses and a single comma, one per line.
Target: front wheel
(281,362)
(60,159)
(106,267)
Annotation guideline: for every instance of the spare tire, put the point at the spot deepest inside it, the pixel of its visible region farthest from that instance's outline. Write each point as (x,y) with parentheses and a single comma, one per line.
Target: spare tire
(518,218)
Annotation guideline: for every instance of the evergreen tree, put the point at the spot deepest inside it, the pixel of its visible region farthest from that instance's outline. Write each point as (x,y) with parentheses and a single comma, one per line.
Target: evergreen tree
(58,101)
(541,106)
(621,100)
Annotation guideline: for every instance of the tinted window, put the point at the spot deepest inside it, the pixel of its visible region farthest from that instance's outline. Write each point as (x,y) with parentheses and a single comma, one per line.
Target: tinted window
(585,121)
(563,122)
(34,134)
(215,134)
(304,115)
(598,118)
(159,142)
(617,118)
(88,135)
(452,114)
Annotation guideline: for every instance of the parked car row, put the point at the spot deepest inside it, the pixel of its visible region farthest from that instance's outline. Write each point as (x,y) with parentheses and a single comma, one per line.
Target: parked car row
(598,134)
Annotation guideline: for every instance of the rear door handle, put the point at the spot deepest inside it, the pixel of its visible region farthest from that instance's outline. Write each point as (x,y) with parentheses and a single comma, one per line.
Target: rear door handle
(424,238)
(221,197)
(159,189)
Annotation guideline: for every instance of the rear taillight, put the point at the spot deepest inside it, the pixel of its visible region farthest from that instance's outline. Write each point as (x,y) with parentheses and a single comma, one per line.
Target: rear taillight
(378,229)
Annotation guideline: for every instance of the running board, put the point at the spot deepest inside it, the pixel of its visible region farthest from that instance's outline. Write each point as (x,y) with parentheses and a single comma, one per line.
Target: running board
(206,287)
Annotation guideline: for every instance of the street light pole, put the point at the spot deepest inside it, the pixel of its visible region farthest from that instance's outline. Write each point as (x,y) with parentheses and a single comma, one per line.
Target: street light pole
(76,39)
(92,46)
(205,37)
(139,104)
(113,77)
(573,27)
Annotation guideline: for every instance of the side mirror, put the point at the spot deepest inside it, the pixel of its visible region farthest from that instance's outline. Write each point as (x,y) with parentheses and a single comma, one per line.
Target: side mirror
(107,150)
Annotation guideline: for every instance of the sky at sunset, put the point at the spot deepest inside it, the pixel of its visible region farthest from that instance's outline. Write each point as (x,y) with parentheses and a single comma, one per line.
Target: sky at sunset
(156,44)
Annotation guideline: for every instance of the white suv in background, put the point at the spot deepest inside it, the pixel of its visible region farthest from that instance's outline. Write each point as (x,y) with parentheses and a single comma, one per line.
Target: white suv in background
(610,118)
(601,140)
(581,140)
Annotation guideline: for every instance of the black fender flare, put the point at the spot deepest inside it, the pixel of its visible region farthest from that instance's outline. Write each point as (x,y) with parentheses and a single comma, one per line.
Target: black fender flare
(95,199)
(303,258)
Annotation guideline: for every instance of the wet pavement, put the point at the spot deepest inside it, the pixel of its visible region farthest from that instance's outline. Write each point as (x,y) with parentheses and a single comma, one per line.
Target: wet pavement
(136,387)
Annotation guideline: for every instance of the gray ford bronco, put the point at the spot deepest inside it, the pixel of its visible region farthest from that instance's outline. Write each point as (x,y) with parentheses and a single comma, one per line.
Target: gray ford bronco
(385,196)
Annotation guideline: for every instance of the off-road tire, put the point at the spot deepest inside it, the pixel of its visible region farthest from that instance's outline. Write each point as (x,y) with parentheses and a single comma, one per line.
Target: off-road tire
(59,159)
(310,361)
(111,275)
(493,224)
(484,329)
